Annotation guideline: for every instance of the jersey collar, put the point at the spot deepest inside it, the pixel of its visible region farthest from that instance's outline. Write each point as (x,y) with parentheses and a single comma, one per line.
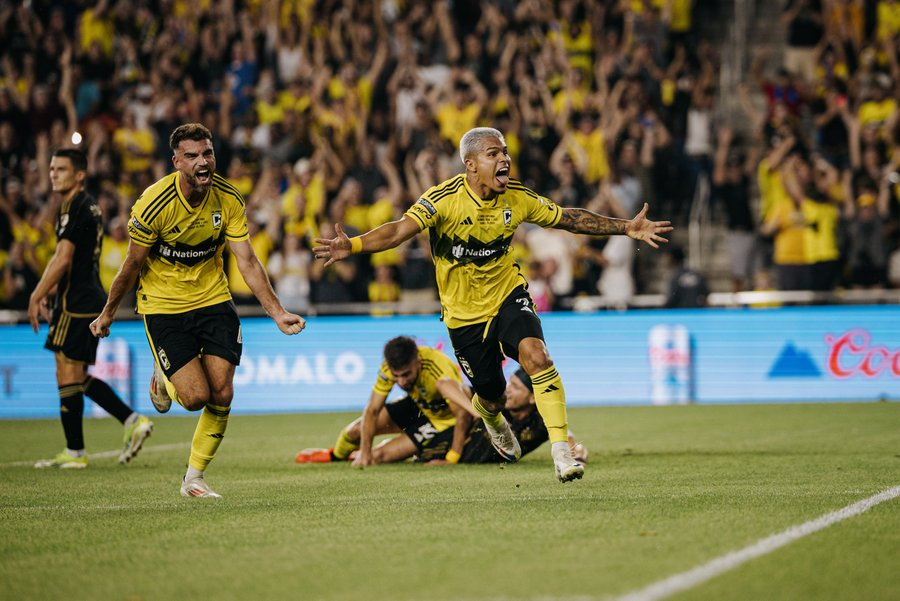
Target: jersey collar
(184,202)
(475,198)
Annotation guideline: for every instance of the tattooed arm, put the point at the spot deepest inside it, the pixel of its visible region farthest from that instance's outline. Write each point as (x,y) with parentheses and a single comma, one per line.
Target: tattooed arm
(582,221)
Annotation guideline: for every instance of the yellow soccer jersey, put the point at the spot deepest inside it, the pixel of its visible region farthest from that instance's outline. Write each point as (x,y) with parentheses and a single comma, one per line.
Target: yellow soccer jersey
(185,269)
(470,240)
(435,366)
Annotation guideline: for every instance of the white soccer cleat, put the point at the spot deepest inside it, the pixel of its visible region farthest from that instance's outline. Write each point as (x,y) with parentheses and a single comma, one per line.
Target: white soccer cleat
(504,441)
(135,435)
(158,394)
(566,466)
(197,487)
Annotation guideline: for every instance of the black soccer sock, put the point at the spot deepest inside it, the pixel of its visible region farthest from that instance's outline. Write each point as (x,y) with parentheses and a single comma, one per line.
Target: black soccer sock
(71,411)
(101,393)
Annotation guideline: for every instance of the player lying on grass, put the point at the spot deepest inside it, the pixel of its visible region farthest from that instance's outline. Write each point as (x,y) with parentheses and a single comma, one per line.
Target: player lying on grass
(520,411)
(436,399)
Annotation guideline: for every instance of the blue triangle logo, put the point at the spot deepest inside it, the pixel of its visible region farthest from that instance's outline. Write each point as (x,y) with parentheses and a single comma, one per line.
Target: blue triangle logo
(794,363)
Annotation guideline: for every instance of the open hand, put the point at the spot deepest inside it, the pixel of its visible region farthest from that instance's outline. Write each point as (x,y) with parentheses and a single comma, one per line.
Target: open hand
(334,249)
(641,228)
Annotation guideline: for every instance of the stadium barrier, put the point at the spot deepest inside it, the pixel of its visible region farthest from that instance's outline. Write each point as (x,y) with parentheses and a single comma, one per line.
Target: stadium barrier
(714,355)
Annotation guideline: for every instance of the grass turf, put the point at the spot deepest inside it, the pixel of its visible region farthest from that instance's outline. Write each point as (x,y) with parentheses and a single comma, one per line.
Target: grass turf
(667,489)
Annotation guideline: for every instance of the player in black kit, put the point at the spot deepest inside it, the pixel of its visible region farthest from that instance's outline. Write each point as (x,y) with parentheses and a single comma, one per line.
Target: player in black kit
(69,296)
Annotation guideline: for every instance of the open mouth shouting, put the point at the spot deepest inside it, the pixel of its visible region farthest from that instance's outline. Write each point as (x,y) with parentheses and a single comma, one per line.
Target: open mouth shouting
(202,177)
(502,177)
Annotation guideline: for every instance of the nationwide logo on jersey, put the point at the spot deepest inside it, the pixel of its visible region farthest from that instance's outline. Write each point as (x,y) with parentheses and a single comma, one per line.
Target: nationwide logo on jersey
(217,220)
(188,254)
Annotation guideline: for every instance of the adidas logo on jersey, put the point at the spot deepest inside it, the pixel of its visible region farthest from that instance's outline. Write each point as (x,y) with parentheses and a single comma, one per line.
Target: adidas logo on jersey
(550,388)
(174,230)
(466,221)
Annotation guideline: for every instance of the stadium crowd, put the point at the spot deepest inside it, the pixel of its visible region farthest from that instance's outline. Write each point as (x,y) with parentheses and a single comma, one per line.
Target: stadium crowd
(346,111)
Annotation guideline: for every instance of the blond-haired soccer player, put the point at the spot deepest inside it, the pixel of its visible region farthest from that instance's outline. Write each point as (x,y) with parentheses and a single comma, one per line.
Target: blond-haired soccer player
(178,229)
(436,399)
(471,219)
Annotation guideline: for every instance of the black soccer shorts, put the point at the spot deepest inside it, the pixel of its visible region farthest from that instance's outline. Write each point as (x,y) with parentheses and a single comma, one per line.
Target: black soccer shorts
(178,338)
(480,348)
(71,336)
(430,443)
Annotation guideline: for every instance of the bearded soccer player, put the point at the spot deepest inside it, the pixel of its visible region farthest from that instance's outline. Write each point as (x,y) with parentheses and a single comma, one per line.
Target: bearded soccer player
(178,229)
(436,399)
(74,274)
(486,306)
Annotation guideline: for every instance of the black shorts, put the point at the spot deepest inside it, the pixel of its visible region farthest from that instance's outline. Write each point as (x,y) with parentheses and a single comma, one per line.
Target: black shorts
(430,443)
(480,353)
(71,336)
(178,338)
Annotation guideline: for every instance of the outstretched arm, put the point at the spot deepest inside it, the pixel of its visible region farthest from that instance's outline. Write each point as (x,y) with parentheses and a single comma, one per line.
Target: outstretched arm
(582,221)
(258,281)
(383,237)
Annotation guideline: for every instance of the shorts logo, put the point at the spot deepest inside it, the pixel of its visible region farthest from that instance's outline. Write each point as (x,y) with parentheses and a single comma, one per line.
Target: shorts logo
(466,367)
(428,206)
(163,359)
(425,432)
(240,338)
(507,216)
(63,220)
(217,220)
(526,305)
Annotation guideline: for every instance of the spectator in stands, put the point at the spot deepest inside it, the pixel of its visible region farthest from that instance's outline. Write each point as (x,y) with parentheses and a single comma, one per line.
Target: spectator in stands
(687,288)
(731,187)
(805,28)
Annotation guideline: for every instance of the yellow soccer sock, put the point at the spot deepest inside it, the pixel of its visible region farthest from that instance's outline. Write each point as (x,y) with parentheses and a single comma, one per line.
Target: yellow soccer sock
(208,435)
(344,446)
(494,420)
(551,403)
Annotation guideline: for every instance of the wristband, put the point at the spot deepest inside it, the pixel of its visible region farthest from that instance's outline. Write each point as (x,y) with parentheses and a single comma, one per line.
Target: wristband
(355,245)
(451,456)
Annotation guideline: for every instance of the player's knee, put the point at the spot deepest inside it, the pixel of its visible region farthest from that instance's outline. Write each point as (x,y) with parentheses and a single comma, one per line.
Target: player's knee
(535,358)
(222,395)
(354,430)
(494,405)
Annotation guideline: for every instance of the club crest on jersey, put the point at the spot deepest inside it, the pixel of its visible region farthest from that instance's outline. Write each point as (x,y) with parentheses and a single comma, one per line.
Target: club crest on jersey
(163,359)
(507,217)
(217,220)
(466,367)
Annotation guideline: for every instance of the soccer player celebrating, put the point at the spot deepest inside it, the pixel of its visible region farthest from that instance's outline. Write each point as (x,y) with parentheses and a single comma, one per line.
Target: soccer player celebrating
(471,219)
(178,231)
(436,399)
(74,273)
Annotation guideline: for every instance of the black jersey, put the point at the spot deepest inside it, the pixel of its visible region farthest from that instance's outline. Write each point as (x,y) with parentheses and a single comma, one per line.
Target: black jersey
(530,431)
(79,292)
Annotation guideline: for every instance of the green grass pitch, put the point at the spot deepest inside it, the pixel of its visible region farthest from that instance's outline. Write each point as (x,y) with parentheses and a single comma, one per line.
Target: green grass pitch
(667,489)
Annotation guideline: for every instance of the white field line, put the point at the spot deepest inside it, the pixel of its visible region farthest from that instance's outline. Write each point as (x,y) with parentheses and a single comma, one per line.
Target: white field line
(105,454)
(720,565)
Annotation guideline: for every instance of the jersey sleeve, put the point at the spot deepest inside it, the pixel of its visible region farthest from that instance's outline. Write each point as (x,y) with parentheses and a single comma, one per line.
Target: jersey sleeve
(540,210)
(140,231)
(384,382)
(424,212)
(75,222)
(236,224)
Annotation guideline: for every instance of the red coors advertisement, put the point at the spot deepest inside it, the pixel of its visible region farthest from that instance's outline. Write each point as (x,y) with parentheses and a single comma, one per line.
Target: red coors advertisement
(853,354)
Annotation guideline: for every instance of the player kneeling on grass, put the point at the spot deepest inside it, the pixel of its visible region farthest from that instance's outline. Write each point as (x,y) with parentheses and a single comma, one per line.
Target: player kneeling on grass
(521,413)
(436,399)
